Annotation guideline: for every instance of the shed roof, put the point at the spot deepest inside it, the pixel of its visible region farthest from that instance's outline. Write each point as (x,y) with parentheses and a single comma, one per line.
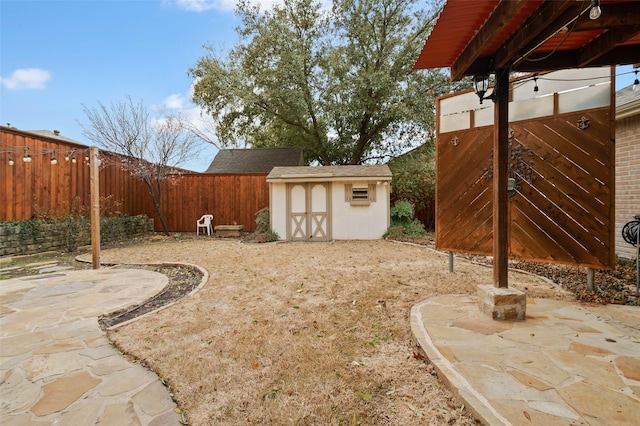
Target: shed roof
(363,172)
(256,160)
(477,37)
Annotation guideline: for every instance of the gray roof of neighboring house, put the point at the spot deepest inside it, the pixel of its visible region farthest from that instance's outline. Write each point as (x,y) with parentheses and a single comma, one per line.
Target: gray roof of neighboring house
(55,135)
(331,172)
(627,102)
(257,160)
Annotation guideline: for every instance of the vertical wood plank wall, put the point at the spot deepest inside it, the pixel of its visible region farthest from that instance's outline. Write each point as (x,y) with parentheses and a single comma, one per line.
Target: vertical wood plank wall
(42,189)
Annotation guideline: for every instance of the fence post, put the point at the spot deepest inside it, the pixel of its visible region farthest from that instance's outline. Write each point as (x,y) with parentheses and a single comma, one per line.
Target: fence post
(95,206)
(590,278)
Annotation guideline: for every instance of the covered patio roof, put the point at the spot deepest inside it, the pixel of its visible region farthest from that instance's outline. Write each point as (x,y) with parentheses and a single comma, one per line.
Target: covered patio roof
(478,37)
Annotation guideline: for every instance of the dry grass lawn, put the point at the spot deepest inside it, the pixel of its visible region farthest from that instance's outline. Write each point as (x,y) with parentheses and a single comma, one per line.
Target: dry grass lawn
(303,333)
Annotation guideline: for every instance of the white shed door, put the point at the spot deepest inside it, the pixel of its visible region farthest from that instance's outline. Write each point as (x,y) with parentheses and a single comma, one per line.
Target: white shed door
(298,212)
(308,211)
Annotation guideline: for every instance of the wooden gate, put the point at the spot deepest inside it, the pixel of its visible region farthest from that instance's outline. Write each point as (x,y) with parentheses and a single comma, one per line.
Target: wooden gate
(561,168)
(308,211)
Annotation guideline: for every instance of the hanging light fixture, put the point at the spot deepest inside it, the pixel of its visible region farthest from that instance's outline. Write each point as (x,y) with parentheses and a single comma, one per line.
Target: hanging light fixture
(636,83)
(73,159)
(595,11)
(27,157)
(480,87)
(54,160)
(11,163)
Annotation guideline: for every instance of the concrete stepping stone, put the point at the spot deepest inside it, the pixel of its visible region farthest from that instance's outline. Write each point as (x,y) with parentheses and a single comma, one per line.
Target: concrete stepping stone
(35,265)
(54,269)
(11,268)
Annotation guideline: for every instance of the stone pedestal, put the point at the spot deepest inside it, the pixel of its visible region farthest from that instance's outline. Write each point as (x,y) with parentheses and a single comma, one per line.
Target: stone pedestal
(502,303)
(228,230)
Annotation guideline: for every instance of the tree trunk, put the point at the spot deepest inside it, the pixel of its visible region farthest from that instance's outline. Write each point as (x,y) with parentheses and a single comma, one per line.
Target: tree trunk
(155,196)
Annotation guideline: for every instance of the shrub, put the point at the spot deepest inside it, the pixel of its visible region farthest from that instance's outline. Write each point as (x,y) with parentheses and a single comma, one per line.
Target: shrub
(72,231)
(403,223)
(264,233)
(402,212)
(414,176)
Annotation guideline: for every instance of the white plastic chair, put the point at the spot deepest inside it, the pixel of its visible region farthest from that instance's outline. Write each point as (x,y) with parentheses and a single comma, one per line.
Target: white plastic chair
(205,222)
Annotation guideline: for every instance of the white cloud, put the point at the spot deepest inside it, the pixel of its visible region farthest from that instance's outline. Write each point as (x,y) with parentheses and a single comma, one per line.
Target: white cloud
(181,105)
(226,5)
(30,78)
(174,102)
(198,5)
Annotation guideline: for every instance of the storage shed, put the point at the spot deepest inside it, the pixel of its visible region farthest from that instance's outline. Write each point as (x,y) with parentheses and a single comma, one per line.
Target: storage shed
(330,202)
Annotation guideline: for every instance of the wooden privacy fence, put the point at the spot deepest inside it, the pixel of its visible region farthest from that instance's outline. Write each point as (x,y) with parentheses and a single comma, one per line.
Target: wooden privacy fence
(230,198)
(39,188)
(561,160)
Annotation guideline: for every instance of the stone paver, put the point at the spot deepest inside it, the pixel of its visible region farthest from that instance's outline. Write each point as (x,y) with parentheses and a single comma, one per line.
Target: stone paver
(566,364)
(57,366)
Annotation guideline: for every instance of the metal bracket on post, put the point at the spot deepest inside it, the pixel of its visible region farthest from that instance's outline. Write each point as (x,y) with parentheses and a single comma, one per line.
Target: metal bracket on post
(450,261)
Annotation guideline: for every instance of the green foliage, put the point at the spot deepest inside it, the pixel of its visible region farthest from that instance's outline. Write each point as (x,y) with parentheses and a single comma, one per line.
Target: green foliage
(69,232)
(72,231)
(29,230)
(414,176)
(264,233)
(263,220)
(402,212)
(403,223)
(125,224)
(340,85)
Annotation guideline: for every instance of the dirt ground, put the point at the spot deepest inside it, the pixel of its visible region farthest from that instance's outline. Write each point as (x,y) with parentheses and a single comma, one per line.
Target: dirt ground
(303,333)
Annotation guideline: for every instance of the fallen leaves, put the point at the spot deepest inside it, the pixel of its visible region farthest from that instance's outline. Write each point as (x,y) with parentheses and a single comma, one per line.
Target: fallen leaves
(413,408)
(364,395)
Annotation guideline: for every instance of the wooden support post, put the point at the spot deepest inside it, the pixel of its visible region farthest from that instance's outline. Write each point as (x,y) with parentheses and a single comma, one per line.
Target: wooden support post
(590,279)
(94,180)
(500,174)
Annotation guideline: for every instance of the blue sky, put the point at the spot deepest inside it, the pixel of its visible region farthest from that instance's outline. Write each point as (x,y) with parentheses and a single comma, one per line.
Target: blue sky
(56,55)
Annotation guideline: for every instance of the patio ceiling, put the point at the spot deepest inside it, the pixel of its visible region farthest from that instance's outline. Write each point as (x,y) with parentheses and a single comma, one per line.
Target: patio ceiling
(479,37)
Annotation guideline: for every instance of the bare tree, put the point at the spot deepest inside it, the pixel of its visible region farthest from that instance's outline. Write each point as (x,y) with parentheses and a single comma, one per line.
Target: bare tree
(149,148)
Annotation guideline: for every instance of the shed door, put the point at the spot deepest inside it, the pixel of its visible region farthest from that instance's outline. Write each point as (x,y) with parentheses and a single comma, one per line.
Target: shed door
(308,211)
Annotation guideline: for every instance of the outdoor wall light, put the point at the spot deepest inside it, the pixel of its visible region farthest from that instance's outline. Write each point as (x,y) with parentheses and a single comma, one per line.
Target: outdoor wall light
(535,87)
(511,184)
(595,11)
(480,87)
(636,83)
